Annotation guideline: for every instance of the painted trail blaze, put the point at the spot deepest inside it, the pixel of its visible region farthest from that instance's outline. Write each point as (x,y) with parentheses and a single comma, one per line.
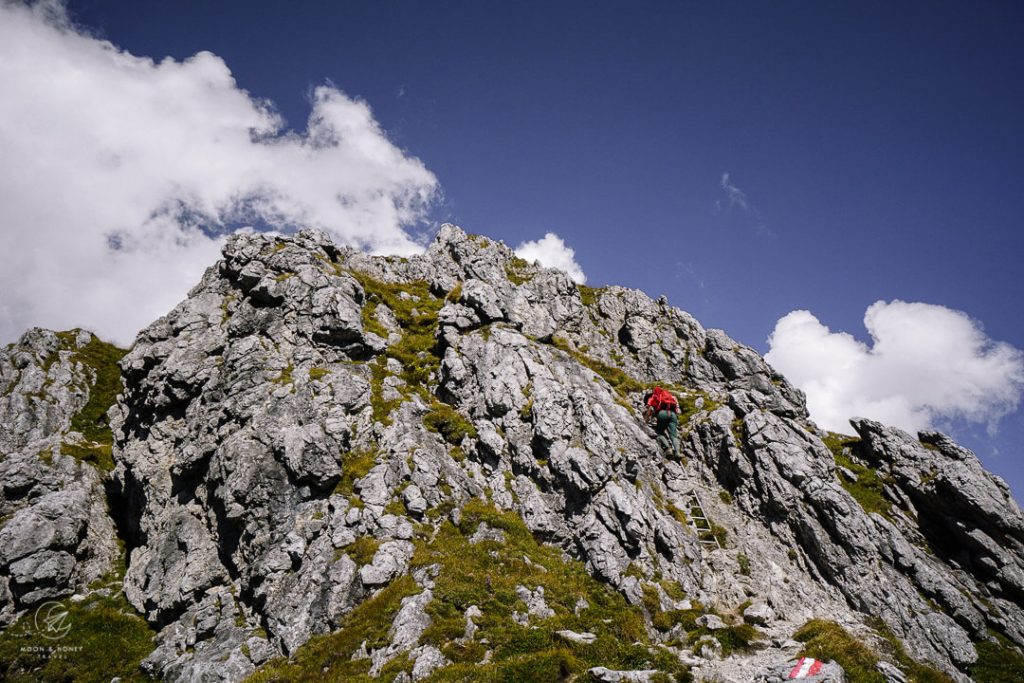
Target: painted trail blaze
(805,667)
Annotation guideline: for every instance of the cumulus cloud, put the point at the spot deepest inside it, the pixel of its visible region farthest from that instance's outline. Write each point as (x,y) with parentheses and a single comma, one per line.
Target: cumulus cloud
(120,175)
(552,252)
(926,365)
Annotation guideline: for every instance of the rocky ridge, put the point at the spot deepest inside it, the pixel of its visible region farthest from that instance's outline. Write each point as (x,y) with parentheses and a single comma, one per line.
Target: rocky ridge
(440,462)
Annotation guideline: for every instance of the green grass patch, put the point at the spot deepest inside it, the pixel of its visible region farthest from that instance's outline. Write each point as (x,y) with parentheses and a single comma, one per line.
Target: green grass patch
(106,639)
(716,532)
(396,507)
(827,640)
(381,408)
(449,423)
(997,662)
(329,657)
(519,271)
(285,377)
(362,549)
(678,514)
(471,575)
(318,373)
(415,309)
(102,358)
(688,402)
(369,320)
(354,466)
(673,589)
(590,295)
(735,638)
(868,487)
(737,428)
(836,442)
(99,455)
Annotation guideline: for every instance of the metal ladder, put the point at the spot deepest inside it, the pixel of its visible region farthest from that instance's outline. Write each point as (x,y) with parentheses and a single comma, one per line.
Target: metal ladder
(700,524)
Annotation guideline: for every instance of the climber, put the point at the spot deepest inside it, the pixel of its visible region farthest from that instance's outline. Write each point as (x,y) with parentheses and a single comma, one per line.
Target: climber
(663,405)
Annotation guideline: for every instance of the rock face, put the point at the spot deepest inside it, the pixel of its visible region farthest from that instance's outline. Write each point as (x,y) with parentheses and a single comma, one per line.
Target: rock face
(57,536)
(292,437)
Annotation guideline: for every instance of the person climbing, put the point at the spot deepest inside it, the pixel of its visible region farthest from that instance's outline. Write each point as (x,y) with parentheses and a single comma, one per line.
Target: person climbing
(665,408)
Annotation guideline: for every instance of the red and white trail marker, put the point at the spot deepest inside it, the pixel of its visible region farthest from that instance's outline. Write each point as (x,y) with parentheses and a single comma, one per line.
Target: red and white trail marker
(805,667)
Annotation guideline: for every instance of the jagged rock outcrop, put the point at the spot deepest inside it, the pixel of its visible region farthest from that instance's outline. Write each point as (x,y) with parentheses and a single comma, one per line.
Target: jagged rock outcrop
(57,536)
(313,433)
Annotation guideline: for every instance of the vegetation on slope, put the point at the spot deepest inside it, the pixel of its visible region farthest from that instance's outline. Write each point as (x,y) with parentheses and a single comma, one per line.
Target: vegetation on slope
(105,639)
(827,640)
(867,486)
(998,661)
(415,309)
(487,574)
(101,359)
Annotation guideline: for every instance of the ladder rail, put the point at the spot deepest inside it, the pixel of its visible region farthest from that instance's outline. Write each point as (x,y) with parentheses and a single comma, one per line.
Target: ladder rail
(695,513)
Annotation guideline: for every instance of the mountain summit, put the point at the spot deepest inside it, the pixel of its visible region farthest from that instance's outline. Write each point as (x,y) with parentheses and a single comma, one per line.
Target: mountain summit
(325,464)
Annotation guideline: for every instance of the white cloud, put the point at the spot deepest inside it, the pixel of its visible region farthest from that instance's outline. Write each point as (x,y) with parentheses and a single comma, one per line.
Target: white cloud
(118,175)
(737,197)
(926,364)
(552,252)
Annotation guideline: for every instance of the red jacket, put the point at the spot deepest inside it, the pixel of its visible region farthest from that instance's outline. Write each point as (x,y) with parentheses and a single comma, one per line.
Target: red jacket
(662,400)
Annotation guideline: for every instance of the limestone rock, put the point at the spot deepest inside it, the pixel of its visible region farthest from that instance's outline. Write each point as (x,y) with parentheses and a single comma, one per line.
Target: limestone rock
(290,435)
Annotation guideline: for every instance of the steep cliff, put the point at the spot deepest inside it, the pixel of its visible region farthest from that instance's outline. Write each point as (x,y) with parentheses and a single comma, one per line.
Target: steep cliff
(435,468)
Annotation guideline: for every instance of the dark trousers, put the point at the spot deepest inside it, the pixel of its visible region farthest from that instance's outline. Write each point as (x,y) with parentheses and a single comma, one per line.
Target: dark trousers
(667,429)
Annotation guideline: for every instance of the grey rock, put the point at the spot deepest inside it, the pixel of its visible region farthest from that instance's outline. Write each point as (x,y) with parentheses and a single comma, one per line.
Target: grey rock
(711,622)
(584,638)
(891,673)
(248,407)
(758,613)
(606,675)
(56,534)
(472,612)
(535,603)
(709,648)
(390,560)
(831,672)
(406,629)
(428,659)
(484,532)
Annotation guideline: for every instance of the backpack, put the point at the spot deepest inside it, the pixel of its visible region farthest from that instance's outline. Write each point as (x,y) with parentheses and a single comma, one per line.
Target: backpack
(663,400)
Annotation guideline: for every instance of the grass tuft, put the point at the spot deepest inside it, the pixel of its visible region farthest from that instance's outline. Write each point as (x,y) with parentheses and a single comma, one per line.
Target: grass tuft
(868,487)
(329,657)
(622,383)
(449,423)
(997,661)
(102,358)
(106,640)
(354,466)
(99,455)
(519,271)
(827,640)
(415,309)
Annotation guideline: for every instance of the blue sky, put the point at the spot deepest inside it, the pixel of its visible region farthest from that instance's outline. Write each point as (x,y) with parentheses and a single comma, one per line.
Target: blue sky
(873,149)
